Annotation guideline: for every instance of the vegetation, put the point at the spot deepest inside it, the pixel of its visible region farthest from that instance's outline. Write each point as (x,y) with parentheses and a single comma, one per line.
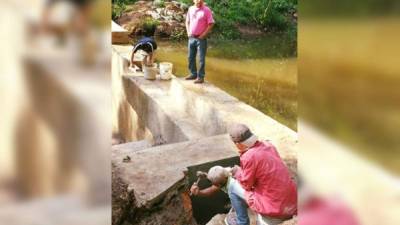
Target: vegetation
(266,15)
(119,6)
(345,8)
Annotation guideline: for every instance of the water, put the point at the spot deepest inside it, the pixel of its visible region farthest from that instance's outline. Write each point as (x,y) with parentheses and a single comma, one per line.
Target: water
(260,72)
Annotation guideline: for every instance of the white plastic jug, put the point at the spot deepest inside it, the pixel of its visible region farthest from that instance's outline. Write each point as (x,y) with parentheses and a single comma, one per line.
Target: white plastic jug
(150,72)
(165,70)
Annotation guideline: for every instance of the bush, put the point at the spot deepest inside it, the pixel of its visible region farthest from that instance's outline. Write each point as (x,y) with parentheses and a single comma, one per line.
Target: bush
(159,3)
(149,26)
(273,15)
(117,10)
(119,6)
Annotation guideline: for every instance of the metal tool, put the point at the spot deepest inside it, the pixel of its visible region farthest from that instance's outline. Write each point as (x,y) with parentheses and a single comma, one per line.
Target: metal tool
(200,175)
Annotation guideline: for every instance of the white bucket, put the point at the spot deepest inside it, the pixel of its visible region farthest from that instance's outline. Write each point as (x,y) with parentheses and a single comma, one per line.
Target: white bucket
(165,70)
(150,72)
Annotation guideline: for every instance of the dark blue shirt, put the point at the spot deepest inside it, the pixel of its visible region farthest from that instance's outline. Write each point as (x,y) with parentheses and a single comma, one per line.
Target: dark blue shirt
(146,44)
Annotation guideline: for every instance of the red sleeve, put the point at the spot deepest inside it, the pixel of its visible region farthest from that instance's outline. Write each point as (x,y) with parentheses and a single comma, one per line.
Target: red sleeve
(246,174)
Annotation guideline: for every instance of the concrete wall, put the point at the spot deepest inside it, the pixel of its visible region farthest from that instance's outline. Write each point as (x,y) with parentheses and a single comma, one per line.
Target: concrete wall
(176,112)
(179,110)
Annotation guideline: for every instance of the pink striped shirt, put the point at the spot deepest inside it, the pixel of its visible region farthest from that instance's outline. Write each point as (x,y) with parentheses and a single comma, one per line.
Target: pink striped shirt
(269,188)
(199,19)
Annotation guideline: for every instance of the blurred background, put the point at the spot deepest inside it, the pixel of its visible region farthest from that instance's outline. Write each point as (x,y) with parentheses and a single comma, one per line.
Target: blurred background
(55,118)
(349,110)
(55,126)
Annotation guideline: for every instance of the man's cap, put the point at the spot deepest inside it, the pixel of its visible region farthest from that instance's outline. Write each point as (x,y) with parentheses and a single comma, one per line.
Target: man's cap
(240,133)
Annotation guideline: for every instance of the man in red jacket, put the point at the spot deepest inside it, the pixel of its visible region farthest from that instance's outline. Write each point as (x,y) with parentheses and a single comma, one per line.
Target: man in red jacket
(262,182)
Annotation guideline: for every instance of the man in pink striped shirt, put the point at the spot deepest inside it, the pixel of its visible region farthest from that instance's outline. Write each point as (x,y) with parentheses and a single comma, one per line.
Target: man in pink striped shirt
(262,182)
(199,22)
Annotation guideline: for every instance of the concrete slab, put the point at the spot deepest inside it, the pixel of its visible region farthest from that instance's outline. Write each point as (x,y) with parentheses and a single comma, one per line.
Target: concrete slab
(129,147)
(62,210)
(207,107)
(219,220)
(153,172)
(119,34)
(159,111)
(214,109)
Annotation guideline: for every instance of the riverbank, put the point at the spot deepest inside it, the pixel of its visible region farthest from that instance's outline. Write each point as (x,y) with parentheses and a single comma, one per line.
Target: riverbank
(234,19)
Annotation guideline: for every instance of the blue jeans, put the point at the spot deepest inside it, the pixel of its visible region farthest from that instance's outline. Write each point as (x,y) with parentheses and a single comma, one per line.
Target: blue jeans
(195,45)
(236,195)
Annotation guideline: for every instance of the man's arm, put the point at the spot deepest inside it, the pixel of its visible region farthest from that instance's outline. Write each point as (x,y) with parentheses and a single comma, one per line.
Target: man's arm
(205,33)
(246,174)
(187,25)
(132,57)
(205,192)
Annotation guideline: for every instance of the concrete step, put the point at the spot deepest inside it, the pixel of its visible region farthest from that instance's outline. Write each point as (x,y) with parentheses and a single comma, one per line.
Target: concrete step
(129,147)
(152,172)
(219,220)
(119,34)
(162,113)
(211,109)
(214,109)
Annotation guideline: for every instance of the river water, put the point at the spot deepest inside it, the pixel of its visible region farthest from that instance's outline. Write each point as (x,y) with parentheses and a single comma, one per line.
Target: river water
(261,72)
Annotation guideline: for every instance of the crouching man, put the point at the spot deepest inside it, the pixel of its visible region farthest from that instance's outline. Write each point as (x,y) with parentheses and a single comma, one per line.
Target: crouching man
(261,183)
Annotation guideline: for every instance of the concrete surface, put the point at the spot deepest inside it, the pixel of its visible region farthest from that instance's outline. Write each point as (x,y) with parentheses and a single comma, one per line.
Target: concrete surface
(62,210)
(196,110)
(118,34)
(152,172)
(191,121)
(129,147)
(219,220)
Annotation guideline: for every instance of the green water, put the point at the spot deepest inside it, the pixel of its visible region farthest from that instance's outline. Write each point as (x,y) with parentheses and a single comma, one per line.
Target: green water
(260,72)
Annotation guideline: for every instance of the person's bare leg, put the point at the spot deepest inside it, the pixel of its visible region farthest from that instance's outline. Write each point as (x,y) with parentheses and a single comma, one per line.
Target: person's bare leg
(138,64)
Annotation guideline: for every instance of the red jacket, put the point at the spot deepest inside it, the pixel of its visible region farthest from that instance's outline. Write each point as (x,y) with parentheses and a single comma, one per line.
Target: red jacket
(270,190)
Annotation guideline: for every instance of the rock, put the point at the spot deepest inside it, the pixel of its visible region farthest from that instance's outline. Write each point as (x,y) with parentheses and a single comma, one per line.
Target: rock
(159,10)
(154,14)
(171,16)
(184,7)
(159,3)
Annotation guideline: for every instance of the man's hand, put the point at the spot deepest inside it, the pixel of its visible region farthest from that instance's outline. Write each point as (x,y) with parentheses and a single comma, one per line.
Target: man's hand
(235,169)
(194,189)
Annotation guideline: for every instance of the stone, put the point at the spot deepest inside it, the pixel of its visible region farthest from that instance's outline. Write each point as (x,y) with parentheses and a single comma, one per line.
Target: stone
(171,12)
(128,148)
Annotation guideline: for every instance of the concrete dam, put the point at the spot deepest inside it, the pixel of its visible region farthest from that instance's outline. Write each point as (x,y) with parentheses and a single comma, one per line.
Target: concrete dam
(169,130)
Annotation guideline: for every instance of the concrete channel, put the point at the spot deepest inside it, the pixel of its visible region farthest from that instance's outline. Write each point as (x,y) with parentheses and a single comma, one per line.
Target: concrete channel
(186,126)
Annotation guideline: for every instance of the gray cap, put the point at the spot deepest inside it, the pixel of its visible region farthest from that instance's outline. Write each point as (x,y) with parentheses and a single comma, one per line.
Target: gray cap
(240,133)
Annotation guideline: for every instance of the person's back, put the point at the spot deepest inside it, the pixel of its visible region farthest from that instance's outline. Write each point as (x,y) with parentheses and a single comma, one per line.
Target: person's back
(269,188)
(148,45)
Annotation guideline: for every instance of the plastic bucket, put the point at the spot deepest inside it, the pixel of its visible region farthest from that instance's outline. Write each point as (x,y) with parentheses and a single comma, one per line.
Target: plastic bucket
(150,72)
(165,70)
